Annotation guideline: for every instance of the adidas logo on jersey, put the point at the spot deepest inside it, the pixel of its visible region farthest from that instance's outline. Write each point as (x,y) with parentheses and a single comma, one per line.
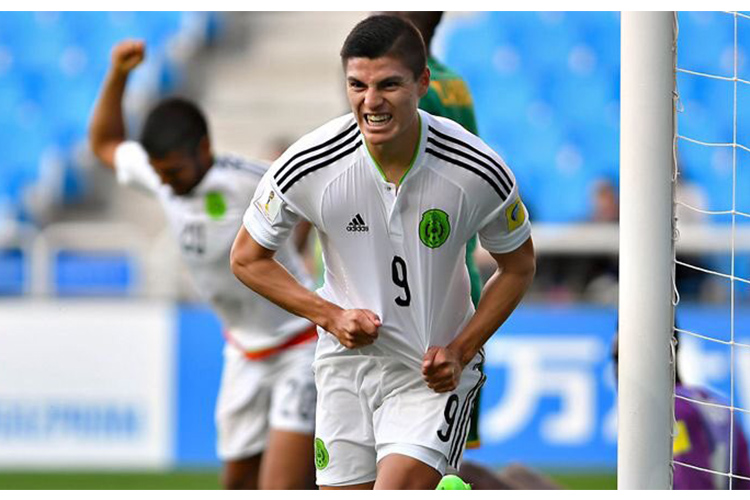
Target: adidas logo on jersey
(357,225)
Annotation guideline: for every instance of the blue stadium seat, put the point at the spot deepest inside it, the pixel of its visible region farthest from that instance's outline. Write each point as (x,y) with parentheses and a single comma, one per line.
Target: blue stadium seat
(13,271)
(582,99)
(79,273)
(57,62)
(564,63)
(743,113)
(11,94)
(470,46)
(703,41)
(547,40)
(505,99)
(36,39)
(601,31)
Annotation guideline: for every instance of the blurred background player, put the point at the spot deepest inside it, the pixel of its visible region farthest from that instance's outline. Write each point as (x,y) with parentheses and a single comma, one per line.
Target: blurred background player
(702,437)
(265,410)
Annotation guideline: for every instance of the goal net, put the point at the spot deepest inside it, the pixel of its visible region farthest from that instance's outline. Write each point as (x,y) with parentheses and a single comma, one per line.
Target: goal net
(684,248)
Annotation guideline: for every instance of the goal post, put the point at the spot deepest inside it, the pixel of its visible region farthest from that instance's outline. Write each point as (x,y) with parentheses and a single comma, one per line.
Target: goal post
(646,312)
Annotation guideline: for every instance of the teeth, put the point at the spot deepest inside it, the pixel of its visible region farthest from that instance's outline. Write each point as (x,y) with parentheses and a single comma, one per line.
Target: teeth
(382,118)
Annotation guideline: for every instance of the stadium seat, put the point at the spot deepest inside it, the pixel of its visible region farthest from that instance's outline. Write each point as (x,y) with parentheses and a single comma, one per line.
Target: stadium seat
(706,38)
(80,273)
(51,65)
(13,264)
(601,31)
(547,39)
(571,61)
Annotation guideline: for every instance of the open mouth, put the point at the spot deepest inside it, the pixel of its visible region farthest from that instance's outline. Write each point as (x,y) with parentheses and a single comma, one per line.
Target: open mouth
(378,119)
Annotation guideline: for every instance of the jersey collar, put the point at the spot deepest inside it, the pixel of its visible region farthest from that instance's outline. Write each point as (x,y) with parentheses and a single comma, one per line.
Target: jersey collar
(417,158)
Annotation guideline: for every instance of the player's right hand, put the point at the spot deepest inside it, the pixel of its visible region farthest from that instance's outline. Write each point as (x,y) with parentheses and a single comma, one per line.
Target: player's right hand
(128,54)
(355,327)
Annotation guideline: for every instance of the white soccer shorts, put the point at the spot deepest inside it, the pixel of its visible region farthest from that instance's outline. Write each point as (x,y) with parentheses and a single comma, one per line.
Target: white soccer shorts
(257,396)
(370,407)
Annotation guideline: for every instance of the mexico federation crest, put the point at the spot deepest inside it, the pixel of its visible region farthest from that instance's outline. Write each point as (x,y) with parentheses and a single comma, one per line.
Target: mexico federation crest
(216,206)
(321,454)
(434,228)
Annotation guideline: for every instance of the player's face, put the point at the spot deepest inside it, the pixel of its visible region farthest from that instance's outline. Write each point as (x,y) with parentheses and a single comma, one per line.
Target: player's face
(383,95)
(179,170)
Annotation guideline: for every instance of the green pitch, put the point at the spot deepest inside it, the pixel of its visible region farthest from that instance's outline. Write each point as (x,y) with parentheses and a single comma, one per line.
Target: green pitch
(600,480)
(177,480)
(208,480)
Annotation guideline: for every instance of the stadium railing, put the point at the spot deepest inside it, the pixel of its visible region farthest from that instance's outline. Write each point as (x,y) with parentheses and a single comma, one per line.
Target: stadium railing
(119,259)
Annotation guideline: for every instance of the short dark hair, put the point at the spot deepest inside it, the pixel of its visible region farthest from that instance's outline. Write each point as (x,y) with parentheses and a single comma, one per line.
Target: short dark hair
(382,35)
(175,124)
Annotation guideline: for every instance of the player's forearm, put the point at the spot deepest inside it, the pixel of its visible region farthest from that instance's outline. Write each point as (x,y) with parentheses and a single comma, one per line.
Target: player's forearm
(107,127)
(501,295)
(270,279)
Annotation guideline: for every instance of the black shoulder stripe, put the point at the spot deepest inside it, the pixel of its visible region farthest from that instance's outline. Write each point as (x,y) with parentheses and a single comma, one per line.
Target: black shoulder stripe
(480,173)
(474,159)
(484,155)
(295,168)
(312,149)
(318,166)
(327,152)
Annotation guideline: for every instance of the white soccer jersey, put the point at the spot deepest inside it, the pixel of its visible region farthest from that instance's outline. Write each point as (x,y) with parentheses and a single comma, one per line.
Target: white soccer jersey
(399,253)
(205,223)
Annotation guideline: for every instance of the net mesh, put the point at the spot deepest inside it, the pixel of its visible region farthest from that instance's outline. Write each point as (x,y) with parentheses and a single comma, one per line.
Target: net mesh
(712,139)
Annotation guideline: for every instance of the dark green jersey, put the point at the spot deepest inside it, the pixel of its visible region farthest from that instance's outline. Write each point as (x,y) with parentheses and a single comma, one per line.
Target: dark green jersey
(449,96)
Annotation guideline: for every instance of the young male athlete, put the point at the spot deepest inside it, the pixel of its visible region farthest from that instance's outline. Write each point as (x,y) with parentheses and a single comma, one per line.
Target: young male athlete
(395,193)
(266,406)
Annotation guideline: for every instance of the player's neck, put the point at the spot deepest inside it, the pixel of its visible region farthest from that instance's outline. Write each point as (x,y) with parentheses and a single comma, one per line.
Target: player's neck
(202,173)
(395,157)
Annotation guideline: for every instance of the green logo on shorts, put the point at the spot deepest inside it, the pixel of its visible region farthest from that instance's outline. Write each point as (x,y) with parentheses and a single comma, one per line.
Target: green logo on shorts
(216,207)
(434,228)
(321,454)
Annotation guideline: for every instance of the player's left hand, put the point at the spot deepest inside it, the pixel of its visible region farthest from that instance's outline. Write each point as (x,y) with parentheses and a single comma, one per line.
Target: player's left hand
(441,369)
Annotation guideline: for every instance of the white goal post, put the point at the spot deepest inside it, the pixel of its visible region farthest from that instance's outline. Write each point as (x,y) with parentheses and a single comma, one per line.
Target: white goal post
(646,312)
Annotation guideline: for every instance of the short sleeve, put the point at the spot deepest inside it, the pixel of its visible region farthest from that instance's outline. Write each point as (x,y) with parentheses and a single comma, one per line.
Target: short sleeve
(133,168)
(507,227)
(269,219)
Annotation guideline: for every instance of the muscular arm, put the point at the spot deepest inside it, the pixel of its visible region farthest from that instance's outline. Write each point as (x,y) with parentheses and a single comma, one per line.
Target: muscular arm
(502,293)
(107,127)
(256,267)
(442,366)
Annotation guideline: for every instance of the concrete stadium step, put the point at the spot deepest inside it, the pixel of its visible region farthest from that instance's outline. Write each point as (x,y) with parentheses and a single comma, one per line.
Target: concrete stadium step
(285,81)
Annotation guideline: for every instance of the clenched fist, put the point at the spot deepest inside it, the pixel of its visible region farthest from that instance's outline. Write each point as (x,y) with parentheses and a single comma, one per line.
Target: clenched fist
(128,54)
(354,327)
(441,369)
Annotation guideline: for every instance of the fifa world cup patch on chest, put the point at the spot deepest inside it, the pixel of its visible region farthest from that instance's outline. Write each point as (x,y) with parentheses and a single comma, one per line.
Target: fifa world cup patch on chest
(269,204)
(515,215)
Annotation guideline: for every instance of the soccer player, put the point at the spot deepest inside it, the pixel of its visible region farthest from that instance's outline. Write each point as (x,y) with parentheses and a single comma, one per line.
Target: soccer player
(701,438)
(394,193)
(266,406)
